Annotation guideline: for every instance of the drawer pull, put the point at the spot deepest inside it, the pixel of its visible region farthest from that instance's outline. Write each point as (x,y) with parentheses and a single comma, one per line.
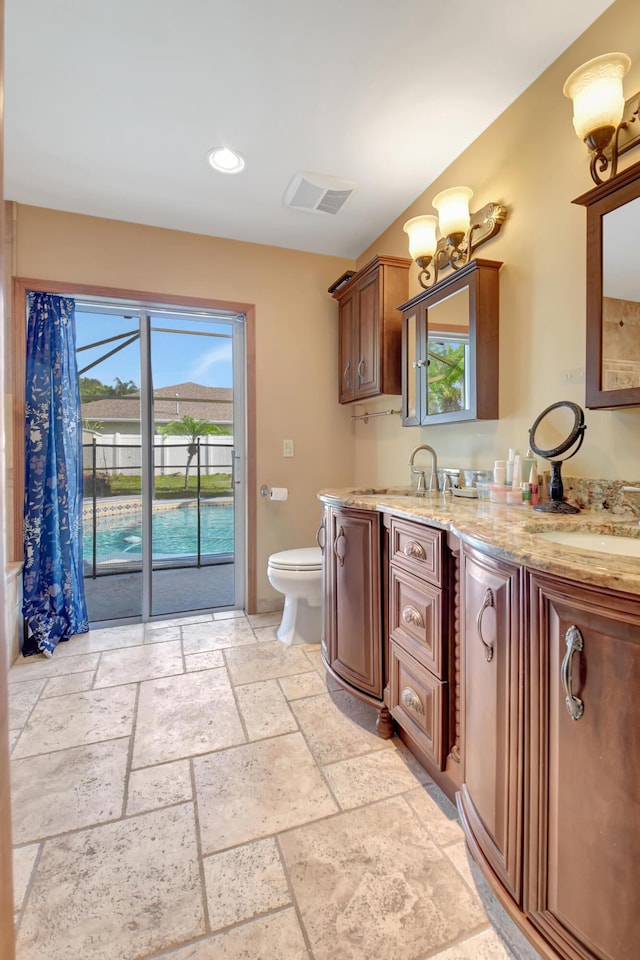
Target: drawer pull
(339,536)
(411,700)
(575,643)
(320,537)
(413,616)
(413,549)
(487,602)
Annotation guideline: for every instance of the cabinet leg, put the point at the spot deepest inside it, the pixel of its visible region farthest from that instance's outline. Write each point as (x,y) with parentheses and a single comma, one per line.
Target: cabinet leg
(384,724)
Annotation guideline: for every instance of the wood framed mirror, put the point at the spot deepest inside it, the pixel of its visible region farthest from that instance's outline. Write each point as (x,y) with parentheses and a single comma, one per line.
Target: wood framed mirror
(450,348)
(612,370)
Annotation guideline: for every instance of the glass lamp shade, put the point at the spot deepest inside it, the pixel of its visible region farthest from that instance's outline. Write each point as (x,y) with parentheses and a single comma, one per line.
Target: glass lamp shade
(596,91)
(453,210)
(422,236)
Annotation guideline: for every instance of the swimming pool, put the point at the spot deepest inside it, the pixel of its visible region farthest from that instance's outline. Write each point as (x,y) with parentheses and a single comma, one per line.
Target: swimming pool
(174,534)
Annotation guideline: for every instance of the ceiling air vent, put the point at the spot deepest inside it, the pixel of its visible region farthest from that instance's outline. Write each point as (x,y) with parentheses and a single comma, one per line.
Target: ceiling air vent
(317,193)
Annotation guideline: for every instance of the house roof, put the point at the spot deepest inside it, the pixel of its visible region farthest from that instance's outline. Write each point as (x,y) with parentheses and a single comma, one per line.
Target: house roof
(214,404)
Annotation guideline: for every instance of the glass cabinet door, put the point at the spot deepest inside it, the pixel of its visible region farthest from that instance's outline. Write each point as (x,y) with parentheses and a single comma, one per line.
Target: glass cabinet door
(413,365)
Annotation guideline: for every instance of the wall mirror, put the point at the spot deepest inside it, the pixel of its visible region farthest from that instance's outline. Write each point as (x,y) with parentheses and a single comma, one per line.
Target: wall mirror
(613,291)
(450,348)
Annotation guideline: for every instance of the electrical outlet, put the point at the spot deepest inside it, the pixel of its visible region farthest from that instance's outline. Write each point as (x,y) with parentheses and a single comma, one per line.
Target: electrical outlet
(287,448)
(572,376)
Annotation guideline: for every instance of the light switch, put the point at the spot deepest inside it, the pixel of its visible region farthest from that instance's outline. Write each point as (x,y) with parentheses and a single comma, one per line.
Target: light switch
(287,448)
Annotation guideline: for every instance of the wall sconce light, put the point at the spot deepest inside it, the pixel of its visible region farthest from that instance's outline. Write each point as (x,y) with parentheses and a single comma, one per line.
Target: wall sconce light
(461,232)
(601,117)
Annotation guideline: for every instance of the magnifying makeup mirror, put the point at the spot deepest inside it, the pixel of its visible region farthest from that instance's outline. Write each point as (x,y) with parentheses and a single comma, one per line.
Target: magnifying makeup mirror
(556,436)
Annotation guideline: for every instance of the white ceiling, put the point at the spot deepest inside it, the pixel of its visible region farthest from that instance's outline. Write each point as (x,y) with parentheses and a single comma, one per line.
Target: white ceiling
(112,105)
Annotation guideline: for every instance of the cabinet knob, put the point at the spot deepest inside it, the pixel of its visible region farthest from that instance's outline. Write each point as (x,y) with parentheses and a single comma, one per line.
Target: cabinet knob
(575,643)
(418,363)
(415,550)
(413,616)
(487,602)
(411,700)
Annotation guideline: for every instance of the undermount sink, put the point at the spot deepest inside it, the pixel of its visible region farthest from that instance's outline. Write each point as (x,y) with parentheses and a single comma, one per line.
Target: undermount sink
(600,542)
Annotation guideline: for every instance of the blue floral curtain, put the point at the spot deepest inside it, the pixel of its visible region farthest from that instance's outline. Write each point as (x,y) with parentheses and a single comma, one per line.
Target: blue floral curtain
(54,604)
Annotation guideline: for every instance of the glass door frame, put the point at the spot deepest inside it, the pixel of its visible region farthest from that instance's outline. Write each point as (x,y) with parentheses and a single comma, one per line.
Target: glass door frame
(244,363)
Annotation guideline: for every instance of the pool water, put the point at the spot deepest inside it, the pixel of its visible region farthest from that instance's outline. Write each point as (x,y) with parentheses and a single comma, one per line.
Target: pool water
(174,533)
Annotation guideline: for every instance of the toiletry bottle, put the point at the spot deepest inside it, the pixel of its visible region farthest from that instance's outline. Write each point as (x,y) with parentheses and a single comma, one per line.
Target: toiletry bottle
(533,482)
(509,466)
(526,493)
(516,477)
(528,461)
(499,472)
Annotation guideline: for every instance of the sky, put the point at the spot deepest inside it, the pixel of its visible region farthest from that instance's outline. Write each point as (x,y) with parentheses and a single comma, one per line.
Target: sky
(175,357)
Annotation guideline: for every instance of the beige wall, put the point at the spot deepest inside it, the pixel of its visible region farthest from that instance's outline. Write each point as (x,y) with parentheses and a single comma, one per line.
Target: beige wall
(531,160)
(296,343)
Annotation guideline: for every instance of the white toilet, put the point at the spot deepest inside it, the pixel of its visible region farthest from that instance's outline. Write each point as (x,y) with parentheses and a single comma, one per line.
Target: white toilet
(298,574)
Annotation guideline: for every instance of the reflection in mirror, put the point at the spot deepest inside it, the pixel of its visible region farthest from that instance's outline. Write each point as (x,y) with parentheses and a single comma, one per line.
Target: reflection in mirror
(448,354)
(620,298)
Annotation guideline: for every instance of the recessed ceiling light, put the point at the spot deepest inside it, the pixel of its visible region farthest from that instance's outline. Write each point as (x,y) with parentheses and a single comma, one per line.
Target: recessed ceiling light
(225,160)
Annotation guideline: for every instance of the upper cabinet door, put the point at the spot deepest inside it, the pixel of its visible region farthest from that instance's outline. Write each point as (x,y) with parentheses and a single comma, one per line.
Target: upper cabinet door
(450,348)
(345,346)
(584,728)
(368,330)
(369,362)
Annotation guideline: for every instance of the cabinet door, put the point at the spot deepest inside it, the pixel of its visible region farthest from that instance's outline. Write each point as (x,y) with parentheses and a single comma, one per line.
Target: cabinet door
(584,869)
(367,340)
(491,793)
(355,641)
(346,345)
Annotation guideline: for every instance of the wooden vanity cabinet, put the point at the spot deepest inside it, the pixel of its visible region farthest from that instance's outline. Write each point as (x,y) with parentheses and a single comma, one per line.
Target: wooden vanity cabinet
(490,799)
(370,329)
(583,872)
(352,572)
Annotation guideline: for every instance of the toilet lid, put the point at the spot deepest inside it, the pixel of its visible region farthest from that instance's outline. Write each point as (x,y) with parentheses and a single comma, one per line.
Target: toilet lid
(306,558)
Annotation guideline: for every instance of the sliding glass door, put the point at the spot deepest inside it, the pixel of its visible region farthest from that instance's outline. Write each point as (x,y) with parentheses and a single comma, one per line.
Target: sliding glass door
(163,440)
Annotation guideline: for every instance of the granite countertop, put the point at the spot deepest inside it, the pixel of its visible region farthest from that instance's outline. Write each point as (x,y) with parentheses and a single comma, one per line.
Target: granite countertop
(510,532)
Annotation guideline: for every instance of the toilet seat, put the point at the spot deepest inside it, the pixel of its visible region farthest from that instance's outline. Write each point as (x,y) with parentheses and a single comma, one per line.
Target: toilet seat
(305,558)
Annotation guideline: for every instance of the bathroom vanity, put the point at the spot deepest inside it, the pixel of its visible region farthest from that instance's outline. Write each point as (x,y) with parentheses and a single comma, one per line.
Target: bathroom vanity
(510,665)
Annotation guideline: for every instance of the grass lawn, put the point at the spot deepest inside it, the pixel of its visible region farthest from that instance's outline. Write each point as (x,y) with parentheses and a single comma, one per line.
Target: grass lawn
(172,487)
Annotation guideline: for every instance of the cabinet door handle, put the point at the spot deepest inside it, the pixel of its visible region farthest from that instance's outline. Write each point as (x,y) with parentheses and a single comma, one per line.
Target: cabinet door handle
(413,549)
(339,536)
(411,700)
(361,370)
(411,615)
(487,602)
(346,376)
(320,536)
(575,643)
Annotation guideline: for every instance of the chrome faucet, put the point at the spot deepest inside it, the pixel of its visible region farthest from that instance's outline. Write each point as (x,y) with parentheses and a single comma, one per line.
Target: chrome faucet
(421,484)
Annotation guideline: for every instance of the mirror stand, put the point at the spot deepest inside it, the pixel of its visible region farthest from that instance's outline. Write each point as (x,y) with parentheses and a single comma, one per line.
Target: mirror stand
(556,503)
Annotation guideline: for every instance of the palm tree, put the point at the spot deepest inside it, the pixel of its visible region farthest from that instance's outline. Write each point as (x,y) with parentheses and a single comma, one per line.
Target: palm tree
(192,428)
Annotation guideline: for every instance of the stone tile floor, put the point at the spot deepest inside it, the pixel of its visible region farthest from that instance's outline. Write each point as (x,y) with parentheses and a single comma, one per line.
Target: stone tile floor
(196,790)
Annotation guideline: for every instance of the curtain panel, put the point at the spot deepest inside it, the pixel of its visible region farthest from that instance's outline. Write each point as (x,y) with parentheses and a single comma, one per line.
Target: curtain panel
(54,605)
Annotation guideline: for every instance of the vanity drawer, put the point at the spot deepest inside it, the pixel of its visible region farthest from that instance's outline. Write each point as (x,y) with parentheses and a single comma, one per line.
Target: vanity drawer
(416,619)
(417,702)
(417,549)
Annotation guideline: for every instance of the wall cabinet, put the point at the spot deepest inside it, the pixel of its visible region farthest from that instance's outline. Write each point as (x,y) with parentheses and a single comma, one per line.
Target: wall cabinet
(490,800)
(450,348)
(584,814)
(370,335)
